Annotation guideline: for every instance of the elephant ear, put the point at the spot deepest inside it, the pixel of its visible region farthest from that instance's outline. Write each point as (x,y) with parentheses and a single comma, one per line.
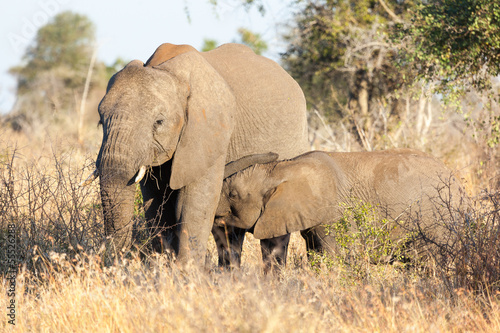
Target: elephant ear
(209,118)
(300,202)
(166,52)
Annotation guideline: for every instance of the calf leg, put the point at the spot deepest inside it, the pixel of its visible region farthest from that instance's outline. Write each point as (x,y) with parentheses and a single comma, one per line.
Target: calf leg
(274,251)
(229,241)
(317,240)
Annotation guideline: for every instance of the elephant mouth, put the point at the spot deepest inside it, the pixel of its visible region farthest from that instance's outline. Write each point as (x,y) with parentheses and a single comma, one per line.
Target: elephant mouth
(159,159)
(161,156)
(219,222)
(138,176)
(227,221)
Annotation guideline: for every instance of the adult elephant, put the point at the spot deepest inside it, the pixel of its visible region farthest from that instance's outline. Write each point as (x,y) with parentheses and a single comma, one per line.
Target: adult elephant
(178,119)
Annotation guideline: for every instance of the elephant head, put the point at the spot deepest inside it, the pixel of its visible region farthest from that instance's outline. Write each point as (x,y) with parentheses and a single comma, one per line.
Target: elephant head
(173,108)
(275,198)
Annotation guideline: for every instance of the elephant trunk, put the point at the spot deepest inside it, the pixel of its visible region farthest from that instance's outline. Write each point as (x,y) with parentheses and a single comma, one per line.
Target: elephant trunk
(118,211)
(117,181)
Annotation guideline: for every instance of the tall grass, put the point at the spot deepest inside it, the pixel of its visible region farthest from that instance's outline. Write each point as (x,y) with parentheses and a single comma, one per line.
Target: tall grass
(81,295)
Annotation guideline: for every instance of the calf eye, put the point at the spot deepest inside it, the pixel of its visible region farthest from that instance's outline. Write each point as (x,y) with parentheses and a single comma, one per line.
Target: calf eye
(159,122)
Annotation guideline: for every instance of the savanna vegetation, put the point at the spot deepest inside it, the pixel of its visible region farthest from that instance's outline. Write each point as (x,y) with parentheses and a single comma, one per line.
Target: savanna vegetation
(376,75)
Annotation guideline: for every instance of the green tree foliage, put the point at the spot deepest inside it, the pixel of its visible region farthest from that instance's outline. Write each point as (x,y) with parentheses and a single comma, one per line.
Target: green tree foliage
(455,43)
(340,53)
(252,40)
(66,41)
(209,44)
(247,37)
(455,46)
(55,66)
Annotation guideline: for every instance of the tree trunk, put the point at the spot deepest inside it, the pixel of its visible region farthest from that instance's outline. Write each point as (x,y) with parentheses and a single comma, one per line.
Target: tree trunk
(363,98)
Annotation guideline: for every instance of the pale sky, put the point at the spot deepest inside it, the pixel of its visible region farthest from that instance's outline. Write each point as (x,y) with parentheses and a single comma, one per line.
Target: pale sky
(132,29)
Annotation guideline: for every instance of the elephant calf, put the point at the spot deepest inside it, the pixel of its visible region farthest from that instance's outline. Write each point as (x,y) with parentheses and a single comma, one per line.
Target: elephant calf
(273,199)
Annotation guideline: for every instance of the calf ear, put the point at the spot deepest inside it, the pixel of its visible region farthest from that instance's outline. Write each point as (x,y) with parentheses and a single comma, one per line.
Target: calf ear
(296,204)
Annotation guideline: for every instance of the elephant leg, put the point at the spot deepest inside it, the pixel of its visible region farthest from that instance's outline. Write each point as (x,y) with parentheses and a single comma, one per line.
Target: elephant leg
(274,251)
(229,241)
(195,213)
(317,240)
(313,242)
(159,206)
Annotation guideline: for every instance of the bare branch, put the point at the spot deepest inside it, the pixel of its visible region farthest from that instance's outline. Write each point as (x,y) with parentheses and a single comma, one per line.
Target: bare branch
(390,12)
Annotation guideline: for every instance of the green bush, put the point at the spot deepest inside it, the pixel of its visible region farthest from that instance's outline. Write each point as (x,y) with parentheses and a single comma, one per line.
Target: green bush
(362,234)
(362,238)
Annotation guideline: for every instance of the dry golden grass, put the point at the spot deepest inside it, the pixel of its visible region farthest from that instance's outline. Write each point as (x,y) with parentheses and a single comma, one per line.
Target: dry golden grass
(62,286)
(135,297)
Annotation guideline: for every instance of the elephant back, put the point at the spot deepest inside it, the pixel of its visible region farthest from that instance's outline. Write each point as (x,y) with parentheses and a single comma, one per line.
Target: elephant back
(271,112)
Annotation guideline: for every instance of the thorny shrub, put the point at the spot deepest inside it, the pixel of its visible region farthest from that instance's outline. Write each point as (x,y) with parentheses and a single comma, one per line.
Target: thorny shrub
(49,209)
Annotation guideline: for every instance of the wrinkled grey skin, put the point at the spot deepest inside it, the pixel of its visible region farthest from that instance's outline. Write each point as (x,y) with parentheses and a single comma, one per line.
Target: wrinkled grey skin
(304,193)
(184,115)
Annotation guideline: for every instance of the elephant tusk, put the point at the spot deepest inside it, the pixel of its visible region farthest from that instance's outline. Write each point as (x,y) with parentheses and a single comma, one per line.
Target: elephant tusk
(90,178)
(140,174)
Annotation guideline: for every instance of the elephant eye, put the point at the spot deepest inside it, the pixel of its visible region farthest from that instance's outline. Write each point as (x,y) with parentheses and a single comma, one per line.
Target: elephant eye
(158,124)
(233,194)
